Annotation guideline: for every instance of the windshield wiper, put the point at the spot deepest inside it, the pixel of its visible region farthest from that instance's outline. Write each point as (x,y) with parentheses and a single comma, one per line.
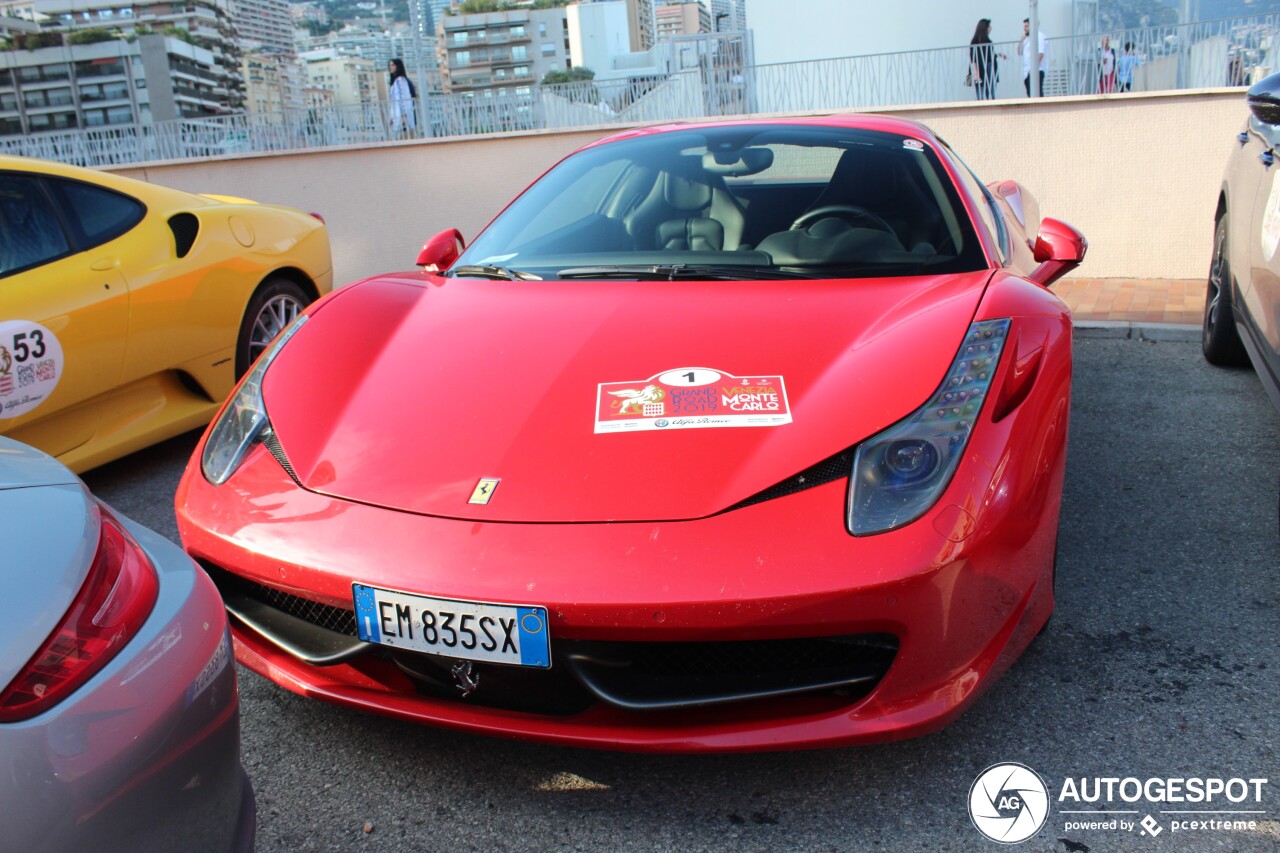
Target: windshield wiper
(490,271)
(671,272)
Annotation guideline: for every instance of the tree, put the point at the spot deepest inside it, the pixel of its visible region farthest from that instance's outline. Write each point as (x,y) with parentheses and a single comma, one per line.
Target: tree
(573,75)
(1131,14)
(91,36)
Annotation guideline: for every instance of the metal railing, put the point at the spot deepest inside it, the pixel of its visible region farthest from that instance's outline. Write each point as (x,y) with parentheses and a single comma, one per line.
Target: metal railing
(1215,53)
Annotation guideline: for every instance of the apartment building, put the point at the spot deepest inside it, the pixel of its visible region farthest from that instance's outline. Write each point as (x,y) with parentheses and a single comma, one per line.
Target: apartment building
(115,82)
(352,80)
(640,28)
(273,82)
(681,19)
(207,25)
(265,26)
(499,52)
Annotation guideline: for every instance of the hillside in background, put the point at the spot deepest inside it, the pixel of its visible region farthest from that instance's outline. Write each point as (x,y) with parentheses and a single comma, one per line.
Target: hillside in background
(1127,14)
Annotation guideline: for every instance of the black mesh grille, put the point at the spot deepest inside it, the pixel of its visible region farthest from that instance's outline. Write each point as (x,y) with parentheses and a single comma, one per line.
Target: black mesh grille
(326,616)
(670,676)
(832,468)
(185,227)
(748,657)
(271,441)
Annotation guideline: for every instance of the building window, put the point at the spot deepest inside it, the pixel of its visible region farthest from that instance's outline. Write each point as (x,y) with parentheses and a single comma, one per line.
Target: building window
(520,71)
(517,32)
(462,59)
(548,49)
(459,38)
(520,53)
(542,28)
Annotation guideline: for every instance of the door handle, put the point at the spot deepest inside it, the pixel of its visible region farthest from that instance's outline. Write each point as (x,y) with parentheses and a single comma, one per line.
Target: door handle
(104,264)
(1267,158)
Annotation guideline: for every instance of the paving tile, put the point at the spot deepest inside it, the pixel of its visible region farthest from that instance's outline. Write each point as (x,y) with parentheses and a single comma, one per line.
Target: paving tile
(1175,301)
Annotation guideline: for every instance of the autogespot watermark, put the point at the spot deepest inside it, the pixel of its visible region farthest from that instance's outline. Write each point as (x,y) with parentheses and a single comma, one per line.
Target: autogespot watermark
(1010,802)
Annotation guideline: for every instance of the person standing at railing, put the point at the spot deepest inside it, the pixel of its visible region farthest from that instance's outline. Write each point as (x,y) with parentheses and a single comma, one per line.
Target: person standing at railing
(1025,48)
(1128,61)
(984,73)
(1235,69)
(402,93)
(1106,67)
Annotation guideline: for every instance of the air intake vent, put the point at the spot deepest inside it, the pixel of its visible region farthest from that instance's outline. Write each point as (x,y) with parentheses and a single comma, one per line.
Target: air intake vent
(831,468)
(185,227)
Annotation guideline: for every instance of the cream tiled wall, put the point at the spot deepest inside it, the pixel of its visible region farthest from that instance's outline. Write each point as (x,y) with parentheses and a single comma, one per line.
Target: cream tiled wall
(1138,174)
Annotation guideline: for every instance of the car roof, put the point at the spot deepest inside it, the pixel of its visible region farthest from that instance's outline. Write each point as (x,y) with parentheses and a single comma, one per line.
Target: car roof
(120,183)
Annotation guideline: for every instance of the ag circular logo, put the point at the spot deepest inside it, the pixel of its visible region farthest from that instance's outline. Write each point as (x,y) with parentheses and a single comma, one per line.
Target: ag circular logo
(1008,802)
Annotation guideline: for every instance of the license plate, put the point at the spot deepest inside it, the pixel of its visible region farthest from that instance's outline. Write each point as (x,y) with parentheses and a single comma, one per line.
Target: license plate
(471,630)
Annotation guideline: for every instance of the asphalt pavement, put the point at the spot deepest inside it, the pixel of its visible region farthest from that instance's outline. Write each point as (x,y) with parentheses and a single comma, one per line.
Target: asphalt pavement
(1161,661)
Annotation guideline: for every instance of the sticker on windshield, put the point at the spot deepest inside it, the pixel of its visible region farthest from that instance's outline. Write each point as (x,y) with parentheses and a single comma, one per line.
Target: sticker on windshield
(691,398)
(1271,221)
(30,366)
(913,144)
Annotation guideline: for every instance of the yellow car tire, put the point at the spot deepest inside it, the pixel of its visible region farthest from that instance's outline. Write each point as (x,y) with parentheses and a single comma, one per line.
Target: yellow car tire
(273,306)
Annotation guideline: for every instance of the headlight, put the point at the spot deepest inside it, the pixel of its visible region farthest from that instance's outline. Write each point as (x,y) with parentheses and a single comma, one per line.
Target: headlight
(900,473)
(244,420)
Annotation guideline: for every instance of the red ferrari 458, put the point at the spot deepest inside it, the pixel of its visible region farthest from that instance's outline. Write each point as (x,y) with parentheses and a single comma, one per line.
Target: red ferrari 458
(745,435)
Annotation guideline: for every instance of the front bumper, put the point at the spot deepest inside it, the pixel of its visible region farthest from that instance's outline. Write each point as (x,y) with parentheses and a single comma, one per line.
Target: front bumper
(961,591)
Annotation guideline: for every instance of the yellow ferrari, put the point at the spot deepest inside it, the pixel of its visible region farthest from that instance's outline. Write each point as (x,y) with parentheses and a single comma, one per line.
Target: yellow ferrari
(128,310)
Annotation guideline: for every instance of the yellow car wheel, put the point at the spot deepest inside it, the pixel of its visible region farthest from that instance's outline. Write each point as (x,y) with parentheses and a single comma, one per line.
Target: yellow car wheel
(274,305)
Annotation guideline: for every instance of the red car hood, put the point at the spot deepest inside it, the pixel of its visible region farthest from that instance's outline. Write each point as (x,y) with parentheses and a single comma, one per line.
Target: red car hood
(405,392)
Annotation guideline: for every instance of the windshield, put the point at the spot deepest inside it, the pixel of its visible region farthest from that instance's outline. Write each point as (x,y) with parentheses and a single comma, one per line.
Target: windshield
(738,201)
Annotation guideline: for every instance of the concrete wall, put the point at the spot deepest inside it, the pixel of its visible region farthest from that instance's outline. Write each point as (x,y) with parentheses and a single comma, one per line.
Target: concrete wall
(1138,174)
(790,31)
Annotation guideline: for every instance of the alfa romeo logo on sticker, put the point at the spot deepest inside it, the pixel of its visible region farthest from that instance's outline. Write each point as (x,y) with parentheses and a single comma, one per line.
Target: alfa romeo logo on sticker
(1008,802)
(31,364)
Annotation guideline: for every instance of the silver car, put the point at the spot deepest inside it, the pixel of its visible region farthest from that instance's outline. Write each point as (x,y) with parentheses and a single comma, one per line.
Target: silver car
(119,713)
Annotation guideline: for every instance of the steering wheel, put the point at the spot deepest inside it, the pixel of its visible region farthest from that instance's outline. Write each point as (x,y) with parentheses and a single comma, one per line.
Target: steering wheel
(849,211)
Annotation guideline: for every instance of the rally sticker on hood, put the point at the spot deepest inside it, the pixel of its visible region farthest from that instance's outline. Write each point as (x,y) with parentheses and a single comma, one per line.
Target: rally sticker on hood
(691,398)
(30,366)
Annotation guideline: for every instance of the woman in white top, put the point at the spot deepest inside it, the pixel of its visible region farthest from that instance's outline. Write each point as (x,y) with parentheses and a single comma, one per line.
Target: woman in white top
(402,116)
(1106,67)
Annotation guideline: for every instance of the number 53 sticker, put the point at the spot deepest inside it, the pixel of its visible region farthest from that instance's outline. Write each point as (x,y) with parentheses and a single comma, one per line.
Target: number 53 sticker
(30,366)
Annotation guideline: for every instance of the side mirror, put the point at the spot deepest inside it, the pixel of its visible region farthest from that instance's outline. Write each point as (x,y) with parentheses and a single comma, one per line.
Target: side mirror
(441,250)
(1264,99)
(1059,248)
